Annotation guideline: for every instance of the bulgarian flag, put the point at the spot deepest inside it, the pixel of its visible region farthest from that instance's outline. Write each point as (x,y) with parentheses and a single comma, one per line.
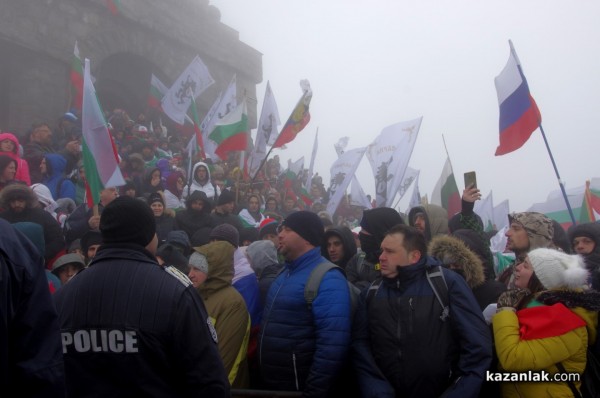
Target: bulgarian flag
(100,158)
(231,132)
(197,131)
(445,192)
(291,173)
(298,119)
(591,204)
(157,92)
(305,197)
(77,78)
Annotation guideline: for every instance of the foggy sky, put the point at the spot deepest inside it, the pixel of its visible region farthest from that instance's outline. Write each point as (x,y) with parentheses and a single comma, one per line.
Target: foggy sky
(372,64)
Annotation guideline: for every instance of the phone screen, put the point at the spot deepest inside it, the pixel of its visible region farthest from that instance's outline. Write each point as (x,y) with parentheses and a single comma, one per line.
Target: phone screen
(470,179)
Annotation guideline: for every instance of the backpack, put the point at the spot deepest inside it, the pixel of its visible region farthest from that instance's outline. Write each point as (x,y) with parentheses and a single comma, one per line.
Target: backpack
(436,280)
(311,289)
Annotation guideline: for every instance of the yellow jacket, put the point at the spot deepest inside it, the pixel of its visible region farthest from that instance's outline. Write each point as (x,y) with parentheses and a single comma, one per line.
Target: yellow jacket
(559,335)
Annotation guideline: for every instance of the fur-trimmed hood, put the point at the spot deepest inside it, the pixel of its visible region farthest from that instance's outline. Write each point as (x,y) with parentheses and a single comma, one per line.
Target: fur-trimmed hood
(451,250)
(18,191)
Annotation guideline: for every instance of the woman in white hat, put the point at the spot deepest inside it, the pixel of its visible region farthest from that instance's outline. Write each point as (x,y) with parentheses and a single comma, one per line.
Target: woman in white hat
(546,323)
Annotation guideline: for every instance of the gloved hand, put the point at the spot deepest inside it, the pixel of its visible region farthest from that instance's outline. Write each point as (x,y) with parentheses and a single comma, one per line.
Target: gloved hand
(512,298)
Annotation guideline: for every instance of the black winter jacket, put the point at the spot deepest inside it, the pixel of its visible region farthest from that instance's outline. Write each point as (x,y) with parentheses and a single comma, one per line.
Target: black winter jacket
(130,328)
(402,347)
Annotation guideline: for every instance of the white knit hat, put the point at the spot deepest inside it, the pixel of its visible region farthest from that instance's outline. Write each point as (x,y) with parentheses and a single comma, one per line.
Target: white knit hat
(557,269)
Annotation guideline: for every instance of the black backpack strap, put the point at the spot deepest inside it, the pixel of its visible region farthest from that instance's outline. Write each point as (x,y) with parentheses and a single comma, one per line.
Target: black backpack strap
(435,277)
(314,281)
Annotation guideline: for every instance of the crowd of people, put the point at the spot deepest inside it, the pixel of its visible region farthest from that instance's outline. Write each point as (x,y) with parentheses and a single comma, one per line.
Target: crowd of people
(180,284)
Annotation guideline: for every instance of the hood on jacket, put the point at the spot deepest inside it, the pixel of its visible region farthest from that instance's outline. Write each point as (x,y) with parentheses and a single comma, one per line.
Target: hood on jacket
(589,230)
(436,219)
(451,250)
(194,173)
(261,254)
(171,183)
(15,140)
(55,166)
(348,243)
(18,192)
(219,256)
(198,195)
(44,196)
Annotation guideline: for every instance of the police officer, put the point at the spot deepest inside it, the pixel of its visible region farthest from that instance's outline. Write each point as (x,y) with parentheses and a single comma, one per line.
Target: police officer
(132,328)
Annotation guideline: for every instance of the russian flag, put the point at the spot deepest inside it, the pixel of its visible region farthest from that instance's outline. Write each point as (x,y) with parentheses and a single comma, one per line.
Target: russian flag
(519,114)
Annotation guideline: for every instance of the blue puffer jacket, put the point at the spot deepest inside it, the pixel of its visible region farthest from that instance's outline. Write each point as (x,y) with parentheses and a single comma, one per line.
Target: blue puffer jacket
(300,349)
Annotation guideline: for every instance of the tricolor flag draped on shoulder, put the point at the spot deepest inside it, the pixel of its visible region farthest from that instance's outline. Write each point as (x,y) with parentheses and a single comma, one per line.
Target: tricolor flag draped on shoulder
(100,158)
(519,114)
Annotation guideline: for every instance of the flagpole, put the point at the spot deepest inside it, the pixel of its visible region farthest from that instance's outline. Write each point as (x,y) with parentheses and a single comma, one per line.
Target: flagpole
(447,154)
(261,165)
(562,185)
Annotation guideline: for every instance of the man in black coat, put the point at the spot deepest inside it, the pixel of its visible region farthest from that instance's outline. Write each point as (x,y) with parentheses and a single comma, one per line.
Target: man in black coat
(131,327)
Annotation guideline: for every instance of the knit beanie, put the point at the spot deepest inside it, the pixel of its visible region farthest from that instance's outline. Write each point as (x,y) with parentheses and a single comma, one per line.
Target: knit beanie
(127,220)
(199,262)
(155,197)
(306,224)
(225,197)
(557,269)
(380,220)
(267,226)
(226,232)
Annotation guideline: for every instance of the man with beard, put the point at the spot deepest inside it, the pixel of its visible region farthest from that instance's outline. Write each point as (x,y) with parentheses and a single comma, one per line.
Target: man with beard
(527,231)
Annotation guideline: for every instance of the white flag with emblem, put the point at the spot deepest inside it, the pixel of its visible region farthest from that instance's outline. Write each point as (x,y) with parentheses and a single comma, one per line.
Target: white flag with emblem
(389,155)
(266,131)
(191,83)
(342,171)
